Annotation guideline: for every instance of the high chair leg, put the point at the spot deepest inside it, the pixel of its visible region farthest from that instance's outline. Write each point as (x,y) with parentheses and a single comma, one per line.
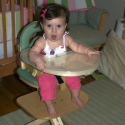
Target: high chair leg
(56,121)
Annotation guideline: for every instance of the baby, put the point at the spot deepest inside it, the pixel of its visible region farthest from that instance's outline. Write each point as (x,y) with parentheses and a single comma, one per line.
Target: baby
(54,22)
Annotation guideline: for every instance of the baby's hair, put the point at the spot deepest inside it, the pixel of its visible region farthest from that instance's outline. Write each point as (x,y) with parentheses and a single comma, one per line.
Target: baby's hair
(53,10)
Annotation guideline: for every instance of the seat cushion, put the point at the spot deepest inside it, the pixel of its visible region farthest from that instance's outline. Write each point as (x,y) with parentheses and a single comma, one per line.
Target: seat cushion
(112,62)
(27,76)
(87,35)
(77,18)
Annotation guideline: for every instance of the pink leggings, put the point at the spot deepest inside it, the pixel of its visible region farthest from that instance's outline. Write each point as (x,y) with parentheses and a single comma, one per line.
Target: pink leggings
(48,82)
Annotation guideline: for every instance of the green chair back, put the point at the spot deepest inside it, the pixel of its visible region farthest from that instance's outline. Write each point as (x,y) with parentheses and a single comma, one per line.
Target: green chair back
(25,42)
(27,33)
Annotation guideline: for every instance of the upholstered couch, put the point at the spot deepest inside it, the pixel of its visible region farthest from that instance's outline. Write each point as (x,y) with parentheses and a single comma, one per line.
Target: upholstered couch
(87,26)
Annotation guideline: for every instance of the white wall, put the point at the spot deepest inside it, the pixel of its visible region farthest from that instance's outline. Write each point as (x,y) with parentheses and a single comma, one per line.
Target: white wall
(115,9)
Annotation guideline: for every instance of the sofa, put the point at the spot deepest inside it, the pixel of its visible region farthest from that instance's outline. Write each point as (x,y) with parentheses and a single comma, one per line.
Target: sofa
(87,26)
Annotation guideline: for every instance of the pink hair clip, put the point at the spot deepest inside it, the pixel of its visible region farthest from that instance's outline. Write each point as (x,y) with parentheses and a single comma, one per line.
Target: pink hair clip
(44,12)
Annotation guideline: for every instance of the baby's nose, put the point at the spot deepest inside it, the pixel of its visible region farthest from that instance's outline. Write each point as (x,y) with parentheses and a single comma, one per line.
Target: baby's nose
(54,29)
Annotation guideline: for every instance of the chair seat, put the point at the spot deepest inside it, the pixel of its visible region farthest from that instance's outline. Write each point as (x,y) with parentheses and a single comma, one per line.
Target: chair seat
(27,76)
(81,32)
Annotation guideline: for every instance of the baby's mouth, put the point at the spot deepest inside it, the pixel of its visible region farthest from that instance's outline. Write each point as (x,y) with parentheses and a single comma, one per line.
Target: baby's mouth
(53,37)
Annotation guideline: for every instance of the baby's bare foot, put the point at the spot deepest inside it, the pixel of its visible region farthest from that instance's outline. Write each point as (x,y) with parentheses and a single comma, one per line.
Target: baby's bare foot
(78,101)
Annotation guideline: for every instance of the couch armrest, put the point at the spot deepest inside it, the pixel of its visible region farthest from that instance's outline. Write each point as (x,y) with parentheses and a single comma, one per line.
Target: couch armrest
(96,18)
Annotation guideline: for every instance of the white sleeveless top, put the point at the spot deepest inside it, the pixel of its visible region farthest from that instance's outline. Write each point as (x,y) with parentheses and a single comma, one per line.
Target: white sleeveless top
(48,52)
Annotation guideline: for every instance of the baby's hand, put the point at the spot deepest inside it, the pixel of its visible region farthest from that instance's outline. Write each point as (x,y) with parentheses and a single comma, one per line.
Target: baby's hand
(90,53)
(40,64)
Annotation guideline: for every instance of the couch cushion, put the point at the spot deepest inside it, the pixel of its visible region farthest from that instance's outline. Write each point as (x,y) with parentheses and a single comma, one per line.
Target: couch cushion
(77,18)
(93,16)
(112,59)
(73,19)
(82,18)
(81,32)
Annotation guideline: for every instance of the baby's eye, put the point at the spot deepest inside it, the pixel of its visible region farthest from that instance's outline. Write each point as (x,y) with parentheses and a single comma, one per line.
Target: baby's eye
(58,26)
(49,26)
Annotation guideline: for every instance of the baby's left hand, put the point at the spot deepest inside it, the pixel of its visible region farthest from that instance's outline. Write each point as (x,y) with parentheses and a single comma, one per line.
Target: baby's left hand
(90,53)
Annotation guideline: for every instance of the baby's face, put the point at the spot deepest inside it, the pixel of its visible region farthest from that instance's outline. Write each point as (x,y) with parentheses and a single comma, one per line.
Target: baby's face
(54,29)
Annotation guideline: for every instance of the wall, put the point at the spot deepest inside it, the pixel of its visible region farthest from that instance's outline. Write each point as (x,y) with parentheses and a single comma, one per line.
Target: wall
(115,9)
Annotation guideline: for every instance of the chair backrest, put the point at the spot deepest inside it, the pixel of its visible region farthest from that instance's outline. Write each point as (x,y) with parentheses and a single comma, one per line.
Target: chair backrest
(27,38)
(26,35)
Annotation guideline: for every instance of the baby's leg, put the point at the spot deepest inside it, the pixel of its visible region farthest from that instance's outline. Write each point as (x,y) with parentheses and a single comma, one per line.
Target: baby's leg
(47,89)
(51,108)
(76,99)
(74,85)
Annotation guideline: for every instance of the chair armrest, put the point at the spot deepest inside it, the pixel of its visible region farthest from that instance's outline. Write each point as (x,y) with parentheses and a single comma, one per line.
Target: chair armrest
(102,21)
(96,18)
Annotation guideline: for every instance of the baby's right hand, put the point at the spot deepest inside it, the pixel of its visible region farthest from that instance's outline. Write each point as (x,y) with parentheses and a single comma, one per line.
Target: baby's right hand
(40,64)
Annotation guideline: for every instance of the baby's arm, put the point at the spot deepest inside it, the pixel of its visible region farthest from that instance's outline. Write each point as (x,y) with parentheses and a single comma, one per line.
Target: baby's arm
(34,54)
(79,48)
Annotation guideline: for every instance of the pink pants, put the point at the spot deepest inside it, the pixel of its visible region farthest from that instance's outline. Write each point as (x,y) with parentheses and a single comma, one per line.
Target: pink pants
(48,82)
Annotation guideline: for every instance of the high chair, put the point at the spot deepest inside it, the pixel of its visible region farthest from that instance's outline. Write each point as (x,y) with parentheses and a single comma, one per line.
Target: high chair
(69,64)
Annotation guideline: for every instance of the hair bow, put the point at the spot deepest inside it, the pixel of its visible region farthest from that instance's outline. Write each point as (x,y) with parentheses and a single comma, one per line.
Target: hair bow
(44,12)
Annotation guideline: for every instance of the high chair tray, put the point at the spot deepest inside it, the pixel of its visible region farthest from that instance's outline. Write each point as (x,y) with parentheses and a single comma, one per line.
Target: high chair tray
(68,64)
